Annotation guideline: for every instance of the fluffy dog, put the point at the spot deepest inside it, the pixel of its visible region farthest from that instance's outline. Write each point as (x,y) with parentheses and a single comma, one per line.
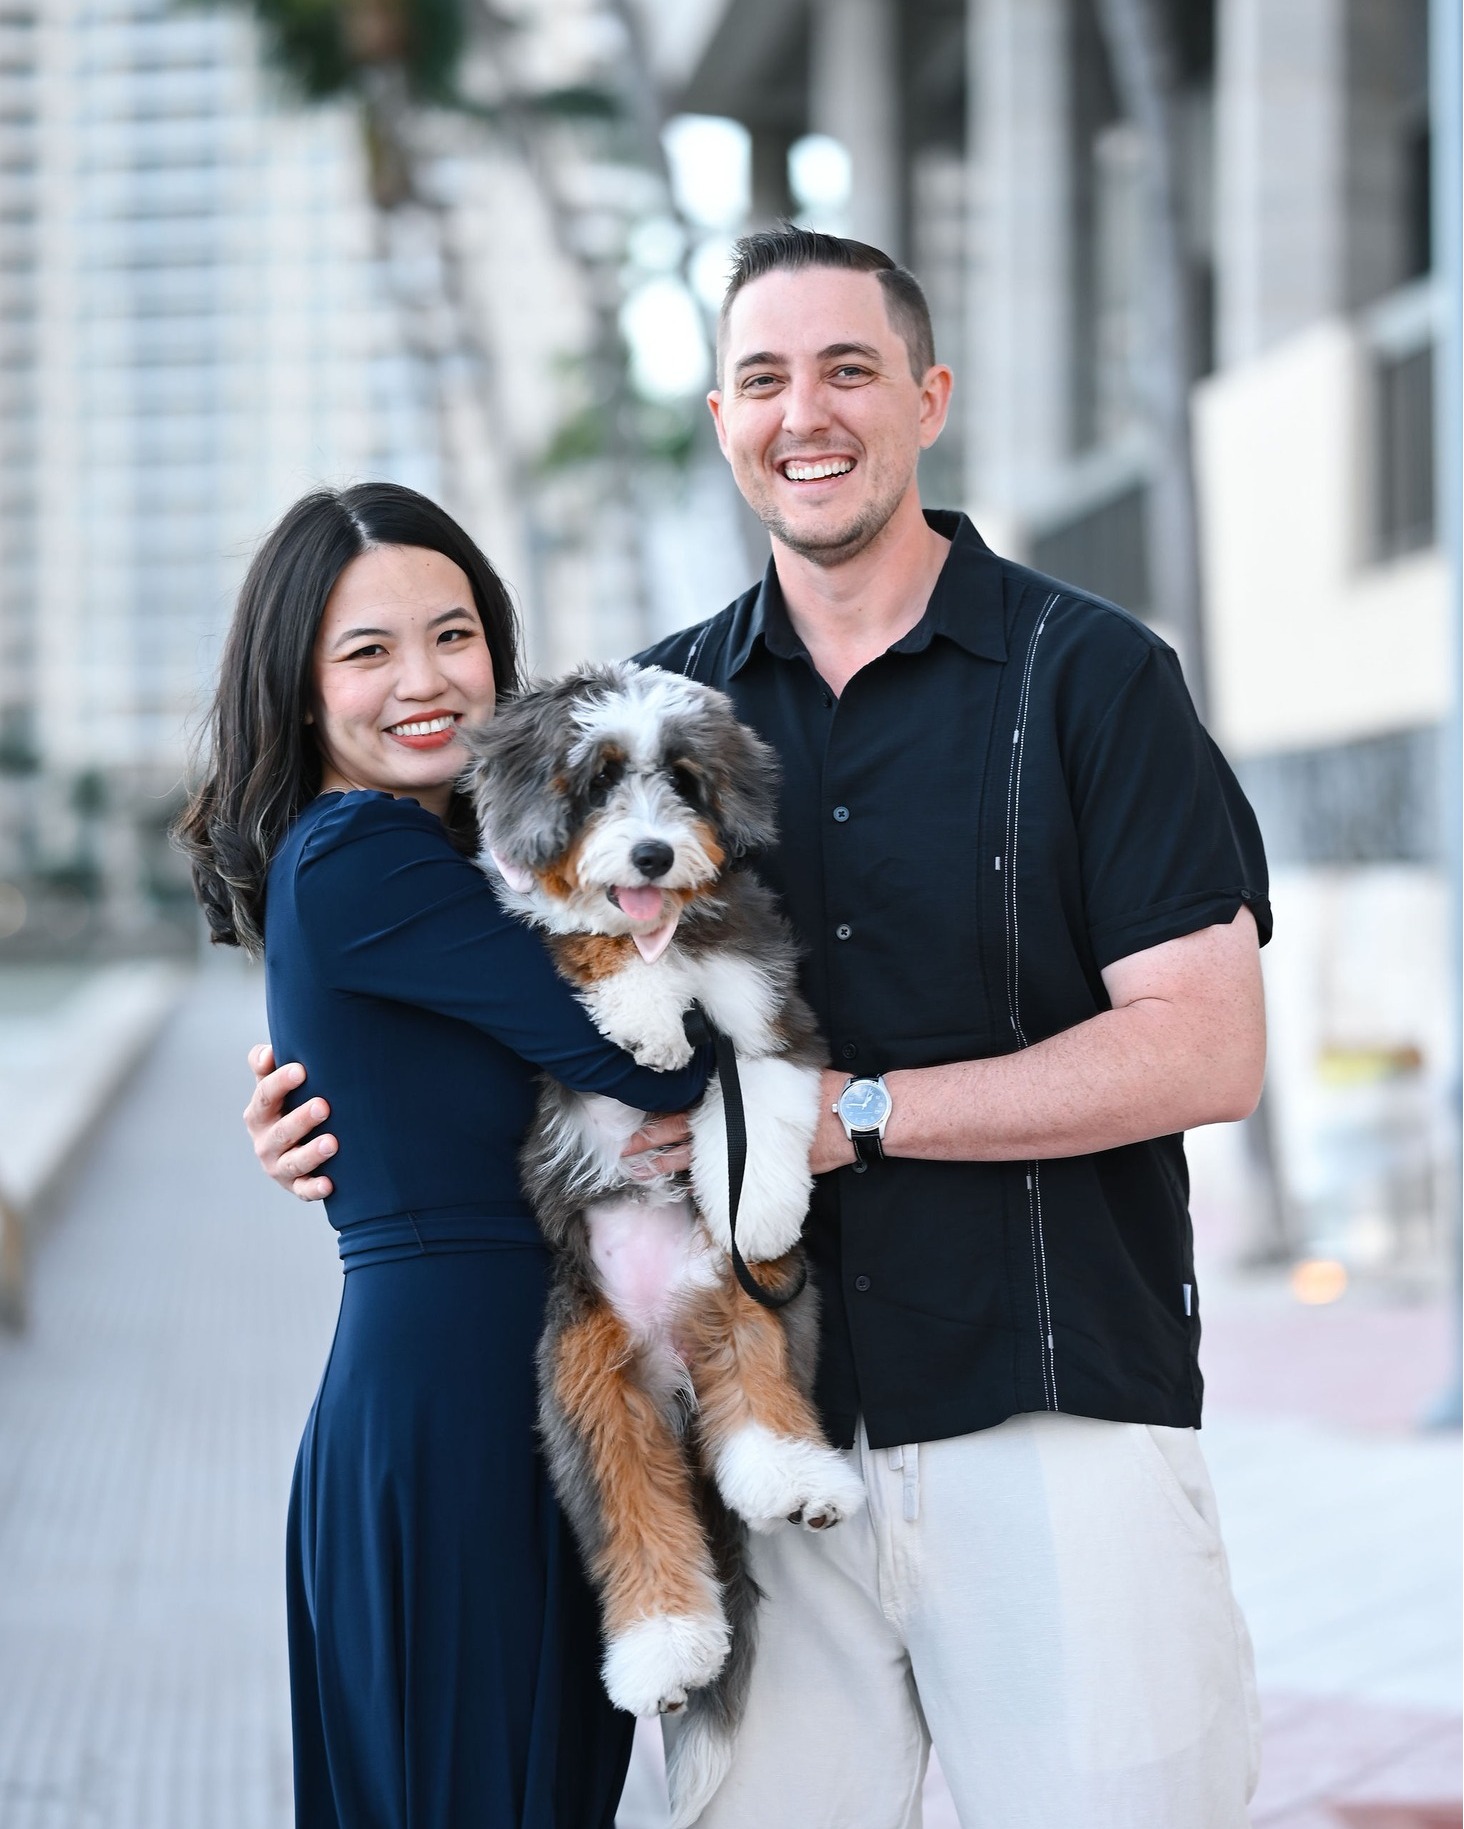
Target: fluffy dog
(615,806)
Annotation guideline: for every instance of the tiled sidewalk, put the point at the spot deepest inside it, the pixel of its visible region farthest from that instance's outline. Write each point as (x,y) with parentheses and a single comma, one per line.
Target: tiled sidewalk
(1332,1761)
(181,1312)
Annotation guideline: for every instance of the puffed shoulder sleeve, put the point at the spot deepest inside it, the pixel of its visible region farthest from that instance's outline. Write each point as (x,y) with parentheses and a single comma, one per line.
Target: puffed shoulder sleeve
(393,911)
(1169,843)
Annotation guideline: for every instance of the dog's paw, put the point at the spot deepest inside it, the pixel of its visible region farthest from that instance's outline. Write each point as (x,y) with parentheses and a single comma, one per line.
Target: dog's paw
(667,1053)
(767,1479)
(650,1667)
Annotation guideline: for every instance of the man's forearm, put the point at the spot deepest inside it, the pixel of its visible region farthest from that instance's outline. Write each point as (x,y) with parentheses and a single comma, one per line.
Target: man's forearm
(1184,1044)
(1117,1079)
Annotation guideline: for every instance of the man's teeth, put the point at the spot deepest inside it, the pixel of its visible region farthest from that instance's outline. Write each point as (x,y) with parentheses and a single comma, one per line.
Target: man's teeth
(811,473)
(424,727)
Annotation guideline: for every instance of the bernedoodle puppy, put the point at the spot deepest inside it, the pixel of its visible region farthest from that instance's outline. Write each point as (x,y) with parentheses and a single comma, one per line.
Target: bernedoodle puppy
(615,806)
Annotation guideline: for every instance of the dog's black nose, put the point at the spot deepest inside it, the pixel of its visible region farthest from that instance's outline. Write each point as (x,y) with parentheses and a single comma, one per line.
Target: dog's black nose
(652,857)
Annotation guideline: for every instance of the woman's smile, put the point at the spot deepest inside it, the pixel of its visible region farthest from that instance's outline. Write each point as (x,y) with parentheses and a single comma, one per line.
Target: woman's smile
(435,731)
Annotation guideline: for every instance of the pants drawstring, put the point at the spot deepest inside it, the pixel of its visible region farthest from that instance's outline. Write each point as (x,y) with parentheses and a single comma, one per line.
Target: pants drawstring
(907,1460)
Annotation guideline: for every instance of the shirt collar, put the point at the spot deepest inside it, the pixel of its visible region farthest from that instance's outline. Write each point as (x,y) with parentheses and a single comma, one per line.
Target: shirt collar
(966,605)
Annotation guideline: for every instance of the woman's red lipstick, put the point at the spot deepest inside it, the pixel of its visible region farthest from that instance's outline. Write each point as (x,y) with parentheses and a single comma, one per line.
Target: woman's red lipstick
(415,733)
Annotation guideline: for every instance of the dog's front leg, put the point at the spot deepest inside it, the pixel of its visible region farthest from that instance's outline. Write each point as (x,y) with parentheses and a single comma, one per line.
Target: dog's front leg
(780,1099)
(640,1008)
(760,1435)
(664,1626)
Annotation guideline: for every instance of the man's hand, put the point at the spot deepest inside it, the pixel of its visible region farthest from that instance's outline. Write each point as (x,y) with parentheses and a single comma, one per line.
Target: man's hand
(277,1134)
(661,1146)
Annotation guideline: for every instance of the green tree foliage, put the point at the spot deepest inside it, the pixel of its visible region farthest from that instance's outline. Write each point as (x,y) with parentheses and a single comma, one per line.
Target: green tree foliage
(332,48)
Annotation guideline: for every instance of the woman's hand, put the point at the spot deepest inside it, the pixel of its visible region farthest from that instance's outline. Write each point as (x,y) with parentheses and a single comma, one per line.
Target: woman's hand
(277,1134)
(661,1146)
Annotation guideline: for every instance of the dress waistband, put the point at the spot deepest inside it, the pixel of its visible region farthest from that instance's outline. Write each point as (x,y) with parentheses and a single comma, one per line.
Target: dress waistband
(434,1232)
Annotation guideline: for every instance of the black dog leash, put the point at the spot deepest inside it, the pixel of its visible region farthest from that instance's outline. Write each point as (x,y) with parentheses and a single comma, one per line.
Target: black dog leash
(700,1028)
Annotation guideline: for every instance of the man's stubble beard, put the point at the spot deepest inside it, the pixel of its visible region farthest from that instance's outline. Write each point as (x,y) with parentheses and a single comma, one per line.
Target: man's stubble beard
(839,547)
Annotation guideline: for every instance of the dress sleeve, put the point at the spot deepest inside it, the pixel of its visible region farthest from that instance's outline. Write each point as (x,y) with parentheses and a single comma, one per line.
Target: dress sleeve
(1168,840)
(396,913)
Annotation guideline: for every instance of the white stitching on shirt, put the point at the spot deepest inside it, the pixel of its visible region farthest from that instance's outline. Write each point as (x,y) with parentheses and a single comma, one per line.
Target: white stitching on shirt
(1013,959)
(1051,1368)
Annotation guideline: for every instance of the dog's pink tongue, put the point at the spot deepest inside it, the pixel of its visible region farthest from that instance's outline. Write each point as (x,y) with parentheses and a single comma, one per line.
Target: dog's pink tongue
(642,904)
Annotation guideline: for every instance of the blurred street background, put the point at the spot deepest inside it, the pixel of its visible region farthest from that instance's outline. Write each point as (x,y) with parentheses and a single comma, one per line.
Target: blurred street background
(1195,263)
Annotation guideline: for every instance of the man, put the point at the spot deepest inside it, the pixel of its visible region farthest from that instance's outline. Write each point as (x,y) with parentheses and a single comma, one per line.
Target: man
(1031,896)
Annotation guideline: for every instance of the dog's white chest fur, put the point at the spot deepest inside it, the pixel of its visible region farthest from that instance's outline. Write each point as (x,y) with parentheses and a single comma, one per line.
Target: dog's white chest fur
(642,1007)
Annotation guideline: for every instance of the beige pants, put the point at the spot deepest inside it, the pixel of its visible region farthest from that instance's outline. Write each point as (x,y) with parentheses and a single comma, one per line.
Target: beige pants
(1048,1601)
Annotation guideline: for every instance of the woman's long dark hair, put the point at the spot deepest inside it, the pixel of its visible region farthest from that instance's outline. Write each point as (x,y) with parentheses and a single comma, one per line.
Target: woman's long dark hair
(262,762)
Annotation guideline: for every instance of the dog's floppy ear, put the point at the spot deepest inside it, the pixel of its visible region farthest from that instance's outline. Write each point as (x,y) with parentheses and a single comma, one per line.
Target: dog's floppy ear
(514,776)
(742,772)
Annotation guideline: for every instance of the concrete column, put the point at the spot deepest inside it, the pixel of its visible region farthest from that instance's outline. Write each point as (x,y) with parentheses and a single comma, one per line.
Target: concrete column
(771,199)
(1281,169)
(1017,381)
(854,97)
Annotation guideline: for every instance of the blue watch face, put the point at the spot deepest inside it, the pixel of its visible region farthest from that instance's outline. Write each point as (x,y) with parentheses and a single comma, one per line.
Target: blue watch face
(864,1105)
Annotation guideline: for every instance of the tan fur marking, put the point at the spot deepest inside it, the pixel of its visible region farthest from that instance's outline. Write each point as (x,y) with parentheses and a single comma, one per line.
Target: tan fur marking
(587,958)
(774,1273)
(739,1358)
(709,844)
(653,1559)
(561,878)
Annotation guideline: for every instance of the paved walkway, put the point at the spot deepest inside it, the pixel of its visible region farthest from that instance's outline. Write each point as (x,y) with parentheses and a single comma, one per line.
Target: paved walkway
(181,1311)
(180,1314)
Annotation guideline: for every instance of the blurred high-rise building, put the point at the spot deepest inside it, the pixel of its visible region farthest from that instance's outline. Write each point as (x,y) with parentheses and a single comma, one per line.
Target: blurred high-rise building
(195,329)
(207,309)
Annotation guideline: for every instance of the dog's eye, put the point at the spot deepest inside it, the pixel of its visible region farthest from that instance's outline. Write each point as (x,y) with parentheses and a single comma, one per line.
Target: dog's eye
(606,778)
(687,782)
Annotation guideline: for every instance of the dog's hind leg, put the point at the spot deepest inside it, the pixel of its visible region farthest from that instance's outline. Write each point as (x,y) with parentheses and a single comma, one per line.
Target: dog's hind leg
(664,1626)
(760,1434)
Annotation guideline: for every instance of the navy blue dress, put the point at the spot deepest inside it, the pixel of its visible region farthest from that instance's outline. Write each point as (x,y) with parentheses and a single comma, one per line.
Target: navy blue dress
(444,1644)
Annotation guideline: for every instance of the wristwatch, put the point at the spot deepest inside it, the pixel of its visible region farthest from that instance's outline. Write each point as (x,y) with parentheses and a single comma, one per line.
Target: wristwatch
(863,1108)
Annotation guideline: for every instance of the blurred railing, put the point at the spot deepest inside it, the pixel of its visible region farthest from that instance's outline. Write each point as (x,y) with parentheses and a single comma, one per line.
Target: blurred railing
(69,1038)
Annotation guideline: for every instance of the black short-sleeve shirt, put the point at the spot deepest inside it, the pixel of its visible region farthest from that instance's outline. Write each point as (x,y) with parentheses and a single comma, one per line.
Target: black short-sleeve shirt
(1012,797)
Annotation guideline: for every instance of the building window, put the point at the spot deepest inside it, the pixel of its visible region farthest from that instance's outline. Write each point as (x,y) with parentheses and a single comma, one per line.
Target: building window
(1404,483)
(1102,550)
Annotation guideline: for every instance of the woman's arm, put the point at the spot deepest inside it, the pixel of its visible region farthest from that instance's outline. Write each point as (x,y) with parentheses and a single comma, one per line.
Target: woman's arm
(293,1159)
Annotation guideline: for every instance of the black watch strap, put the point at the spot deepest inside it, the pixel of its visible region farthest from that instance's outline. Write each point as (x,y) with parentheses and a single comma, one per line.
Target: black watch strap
(867,1147)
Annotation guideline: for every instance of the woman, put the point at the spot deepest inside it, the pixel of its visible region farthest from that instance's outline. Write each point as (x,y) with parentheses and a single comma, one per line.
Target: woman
(443,1642)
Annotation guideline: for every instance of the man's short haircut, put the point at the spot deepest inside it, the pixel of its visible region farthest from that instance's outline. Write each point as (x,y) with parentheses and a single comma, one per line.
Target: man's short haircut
(787,249)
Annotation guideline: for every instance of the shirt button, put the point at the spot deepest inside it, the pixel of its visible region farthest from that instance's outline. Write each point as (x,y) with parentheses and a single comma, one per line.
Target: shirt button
(841,814)
(861,1283)
(850,1051)
(843,931)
